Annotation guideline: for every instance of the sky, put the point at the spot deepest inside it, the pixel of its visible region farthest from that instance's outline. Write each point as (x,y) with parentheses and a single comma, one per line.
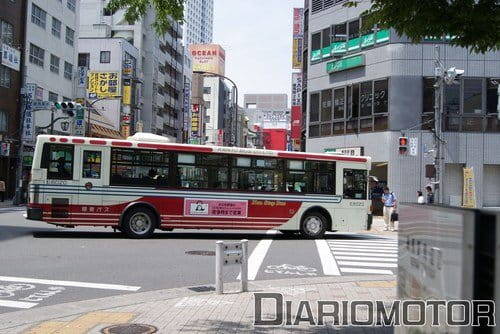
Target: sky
(257,37)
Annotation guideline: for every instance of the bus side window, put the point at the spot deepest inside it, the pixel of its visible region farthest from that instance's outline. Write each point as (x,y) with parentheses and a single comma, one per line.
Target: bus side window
(355,183)
(58,160)
(91,164)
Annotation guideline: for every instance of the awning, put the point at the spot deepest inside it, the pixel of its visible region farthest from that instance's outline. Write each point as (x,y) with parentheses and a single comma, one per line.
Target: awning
(103,132)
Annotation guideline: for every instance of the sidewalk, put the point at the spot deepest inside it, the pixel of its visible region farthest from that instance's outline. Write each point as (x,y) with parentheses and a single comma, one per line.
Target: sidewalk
(8,204)
(183,310)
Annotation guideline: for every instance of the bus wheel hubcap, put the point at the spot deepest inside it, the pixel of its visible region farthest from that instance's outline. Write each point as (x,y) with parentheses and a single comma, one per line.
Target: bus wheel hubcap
(140,223)
(313,225)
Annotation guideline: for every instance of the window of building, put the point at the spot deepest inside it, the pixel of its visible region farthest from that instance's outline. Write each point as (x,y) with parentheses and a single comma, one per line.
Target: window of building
(340,32)
(366,99)
(355,183)
(314,108)
(68,70)
(473,89)
(316,41)
(208,105)
(38,16)
(54,64)
(71,4)
(325,37)
(3,121)
(4,76)
(207,90)
(338,103)
(380,98)
(452,99)
(314,130)
(70,36)
(56,27)
(53,97)
(65,98)
(492,95)
(84,59)
(58,160)
(6,32)
(105,57)
(326,105)
(353,29)
(355,101)
(36,55)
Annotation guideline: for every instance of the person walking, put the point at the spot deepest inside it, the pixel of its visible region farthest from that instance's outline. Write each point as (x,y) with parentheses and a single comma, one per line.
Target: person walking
(420,197)
(2,190)
(390,206)
(430,195)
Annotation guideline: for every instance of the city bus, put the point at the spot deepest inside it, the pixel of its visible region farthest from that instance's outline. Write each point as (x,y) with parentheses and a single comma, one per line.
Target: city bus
(146,183)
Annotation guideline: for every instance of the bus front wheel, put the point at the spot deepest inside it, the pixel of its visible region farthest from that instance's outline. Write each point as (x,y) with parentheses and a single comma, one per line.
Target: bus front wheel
(139,223)
(313,225)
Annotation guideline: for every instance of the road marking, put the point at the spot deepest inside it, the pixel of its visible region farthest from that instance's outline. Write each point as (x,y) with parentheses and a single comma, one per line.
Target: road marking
(365,242)
(14,304)
(362,258)
(366,254)
(70,283)
(366,271)
(257,257)
(364,249)
(330,267)
(368,264)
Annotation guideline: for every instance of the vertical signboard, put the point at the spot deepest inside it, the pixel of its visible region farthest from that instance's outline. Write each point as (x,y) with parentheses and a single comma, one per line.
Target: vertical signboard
(296,89)
(81,81)
(103,84)
(296,122)
(28,127)
(187,98)
(127,91)
(195,124)
(298,35)
(11,57)
(469,194)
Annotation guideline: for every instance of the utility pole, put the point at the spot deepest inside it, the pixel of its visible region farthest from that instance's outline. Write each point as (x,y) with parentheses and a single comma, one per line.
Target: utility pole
(438,104)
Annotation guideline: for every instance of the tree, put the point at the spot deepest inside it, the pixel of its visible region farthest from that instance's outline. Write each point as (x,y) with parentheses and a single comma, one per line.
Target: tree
(474,24)
(164,9)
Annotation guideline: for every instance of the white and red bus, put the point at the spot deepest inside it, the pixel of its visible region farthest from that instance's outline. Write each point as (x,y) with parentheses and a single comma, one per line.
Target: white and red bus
(146,183)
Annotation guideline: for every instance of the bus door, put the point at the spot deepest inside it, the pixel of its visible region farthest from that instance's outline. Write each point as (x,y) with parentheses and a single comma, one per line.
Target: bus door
(92,162)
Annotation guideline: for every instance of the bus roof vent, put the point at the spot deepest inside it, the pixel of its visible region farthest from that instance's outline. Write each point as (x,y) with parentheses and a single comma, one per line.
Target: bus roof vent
(149,137)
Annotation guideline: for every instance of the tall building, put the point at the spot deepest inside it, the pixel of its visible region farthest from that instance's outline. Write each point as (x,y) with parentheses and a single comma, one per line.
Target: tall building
(365,88)
(159,67)
(217,97)
(12,18)
(199,21)
(51,56)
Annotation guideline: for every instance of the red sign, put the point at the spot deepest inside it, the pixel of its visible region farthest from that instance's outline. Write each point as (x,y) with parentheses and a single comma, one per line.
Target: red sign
(220,137)
(296,122)
(274,139)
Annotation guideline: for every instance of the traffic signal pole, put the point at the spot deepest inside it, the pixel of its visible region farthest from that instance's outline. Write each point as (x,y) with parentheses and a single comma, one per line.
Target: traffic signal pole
(438,90)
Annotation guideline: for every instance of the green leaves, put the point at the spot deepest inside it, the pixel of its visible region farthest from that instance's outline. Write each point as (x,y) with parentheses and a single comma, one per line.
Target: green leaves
(474,24)
(166,11)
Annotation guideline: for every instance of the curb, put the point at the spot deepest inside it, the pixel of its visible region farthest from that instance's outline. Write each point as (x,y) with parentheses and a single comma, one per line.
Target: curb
(15,319)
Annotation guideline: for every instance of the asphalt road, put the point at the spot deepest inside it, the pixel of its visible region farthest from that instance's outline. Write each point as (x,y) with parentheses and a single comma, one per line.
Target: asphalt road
(41,264)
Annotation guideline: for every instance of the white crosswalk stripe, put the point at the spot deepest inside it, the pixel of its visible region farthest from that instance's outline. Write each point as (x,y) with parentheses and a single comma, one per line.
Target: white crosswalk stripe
(361,256)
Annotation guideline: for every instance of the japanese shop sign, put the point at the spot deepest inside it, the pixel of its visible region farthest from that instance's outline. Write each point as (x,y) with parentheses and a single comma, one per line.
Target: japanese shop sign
(103,84)
(215,208)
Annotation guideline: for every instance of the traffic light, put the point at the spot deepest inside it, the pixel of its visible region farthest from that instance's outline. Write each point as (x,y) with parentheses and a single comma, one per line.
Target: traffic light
(68,107)
(403,145)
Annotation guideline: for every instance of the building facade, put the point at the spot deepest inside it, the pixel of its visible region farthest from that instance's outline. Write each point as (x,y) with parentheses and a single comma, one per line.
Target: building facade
(218,105)
(365,88)
(199,21)
(159,65)
(12,18)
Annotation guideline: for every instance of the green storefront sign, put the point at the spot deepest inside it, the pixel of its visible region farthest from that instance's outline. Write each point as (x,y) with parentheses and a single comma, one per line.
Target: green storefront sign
(382,36)
(326,52)
(353,44)
(367,40)
(339,48)
(315,55)
(345,64)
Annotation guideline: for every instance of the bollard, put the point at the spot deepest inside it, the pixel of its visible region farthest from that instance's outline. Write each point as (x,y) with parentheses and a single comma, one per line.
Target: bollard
(219,253)
(244,265)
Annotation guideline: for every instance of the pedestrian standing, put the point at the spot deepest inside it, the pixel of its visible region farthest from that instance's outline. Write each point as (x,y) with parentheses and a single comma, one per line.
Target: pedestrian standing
(390,206)
(2,190)
(430,195)
(420,197)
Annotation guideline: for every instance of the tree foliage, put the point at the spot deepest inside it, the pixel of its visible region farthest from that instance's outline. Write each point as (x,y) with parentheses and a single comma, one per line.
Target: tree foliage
(165,11)
(474,24)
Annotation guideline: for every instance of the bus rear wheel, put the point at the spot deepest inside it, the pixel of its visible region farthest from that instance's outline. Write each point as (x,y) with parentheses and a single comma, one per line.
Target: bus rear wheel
(139,223)
(313,225)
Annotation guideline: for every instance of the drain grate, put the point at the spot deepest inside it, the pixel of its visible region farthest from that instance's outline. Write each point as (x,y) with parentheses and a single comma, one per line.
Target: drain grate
(201,252)
(203,288)
(130,329)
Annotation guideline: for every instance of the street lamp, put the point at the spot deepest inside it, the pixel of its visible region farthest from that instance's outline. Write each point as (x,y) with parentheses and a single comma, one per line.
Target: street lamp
(89,133)
(234,126)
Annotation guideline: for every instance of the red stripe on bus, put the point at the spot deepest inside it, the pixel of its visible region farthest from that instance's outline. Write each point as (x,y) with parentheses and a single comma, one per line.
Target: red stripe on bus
(78,141)
(263,223)
(121,143)
(98,142)
(223,227)
(63,140)
(175,147)
(317,156)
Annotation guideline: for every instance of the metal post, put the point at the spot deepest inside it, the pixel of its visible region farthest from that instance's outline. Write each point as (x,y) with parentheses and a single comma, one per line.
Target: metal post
(51,121)
(244,265)
(219,253)
(498,103)
(438,105)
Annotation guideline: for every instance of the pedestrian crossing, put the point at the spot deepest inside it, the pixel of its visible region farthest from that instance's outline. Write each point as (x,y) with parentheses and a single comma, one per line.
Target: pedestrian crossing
(365,256)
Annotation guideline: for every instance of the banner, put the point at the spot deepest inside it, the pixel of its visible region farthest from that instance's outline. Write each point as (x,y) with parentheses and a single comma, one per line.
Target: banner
(296,128)
(297,54)
(81,80)
(195,121)
(103,84)
(11,57)
(469,194)
(127,91)
(296,89)
(28,126)
(298,22)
